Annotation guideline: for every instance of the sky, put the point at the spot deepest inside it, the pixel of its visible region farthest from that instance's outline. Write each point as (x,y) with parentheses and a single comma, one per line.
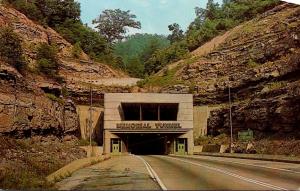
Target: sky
(154,15)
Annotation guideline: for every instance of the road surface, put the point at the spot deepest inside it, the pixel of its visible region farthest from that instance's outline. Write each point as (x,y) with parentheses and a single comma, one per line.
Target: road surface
(156,172)
(203,172)
(118,173)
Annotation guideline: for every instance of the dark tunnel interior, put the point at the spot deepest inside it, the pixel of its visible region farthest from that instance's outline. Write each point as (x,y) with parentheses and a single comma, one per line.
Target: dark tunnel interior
(145,144)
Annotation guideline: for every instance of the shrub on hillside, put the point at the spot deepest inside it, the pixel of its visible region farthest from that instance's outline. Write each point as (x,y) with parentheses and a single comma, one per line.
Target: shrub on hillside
(10,48)
(47,60)
(29,9)
(48,12)
(160,58)
(76,50)
(91,42)
(209,22)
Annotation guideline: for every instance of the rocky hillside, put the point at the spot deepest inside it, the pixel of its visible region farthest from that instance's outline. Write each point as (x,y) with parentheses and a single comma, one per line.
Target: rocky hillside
(260,61)
(33,104)
(25,109)
(25,163)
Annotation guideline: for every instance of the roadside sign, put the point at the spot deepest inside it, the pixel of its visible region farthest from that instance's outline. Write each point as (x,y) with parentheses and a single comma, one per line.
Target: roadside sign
(245,135)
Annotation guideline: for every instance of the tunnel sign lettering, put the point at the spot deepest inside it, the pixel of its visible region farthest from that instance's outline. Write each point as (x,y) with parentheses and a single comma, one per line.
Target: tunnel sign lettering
(148,126)
(133,126)
(167,125)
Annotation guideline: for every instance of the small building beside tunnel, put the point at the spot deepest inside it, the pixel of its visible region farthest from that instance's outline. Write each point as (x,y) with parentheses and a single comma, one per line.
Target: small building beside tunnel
(148,123)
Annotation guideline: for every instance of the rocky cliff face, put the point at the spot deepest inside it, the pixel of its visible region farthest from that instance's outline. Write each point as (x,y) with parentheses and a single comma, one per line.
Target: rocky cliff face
(33,34)
(26,111)
(27,104)
(261,64)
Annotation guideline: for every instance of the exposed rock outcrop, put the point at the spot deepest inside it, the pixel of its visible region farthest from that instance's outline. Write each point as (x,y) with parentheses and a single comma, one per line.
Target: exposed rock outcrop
(73,71)
(261,64)
(31,103)
(265,115)
(25,110)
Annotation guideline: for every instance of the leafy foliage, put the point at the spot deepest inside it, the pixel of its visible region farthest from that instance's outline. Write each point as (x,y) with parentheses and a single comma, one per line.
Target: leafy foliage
(76,50)
(64,17)
(209,22)
(163,57)
(177,33)
(136,50)
(215,19)
(139,55)
(11,49)
(75,32)
(49,12)
(112,24)
(47,60)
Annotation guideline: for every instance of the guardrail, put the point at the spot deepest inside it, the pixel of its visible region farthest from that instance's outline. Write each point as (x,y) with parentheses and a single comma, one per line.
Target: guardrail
(276,158)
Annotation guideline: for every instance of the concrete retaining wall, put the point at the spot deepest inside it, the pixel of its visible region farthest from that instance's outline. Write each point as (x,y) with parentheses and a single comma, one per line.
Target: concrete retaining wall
(198,148)
(201,115)
(97,125)
(73,166)
(93,151)
(211,148)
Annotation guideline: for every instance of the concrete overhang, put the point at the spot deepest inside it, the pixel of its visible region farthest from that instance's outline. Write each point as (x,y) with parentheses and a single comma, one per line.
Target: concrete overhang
(173,131)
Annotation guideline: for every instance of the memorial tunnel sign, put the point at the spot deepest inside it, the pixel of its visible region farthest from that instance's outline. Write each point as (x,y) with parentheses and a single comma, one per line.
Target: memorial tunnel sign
(148,126)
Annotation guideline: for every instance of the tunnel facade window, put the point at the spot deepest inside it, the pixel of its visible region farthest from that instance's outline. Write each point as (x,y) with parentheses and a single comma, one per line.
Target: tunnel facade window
(150,112)
(168,112)
(131,112)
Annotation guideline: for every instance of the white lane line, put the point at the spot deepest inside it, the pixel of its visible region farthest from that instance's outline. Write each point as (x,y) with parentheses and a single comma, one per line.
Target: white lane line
(273,187)
(153,173)
(273,168)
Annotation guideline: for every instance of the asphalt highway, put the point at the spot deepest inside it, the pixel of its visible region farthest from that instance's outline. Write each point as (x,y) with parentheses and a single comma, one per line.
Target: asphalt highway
(215,173)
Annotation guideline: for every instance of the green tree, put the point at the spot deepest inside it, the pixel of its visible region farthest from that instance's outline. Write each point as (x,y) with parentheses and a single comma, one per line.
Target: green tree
(212,10)
(90,41)
(49,12)
(135,67)
(177,33)
(29,9)
(11,49)
(139,47)
(165,56)
(112,24)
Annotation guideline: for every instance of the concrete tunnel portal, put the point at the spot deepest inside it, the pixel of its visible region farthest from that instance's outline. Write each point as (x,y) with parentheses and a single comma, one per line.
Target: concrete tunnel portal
(148,123)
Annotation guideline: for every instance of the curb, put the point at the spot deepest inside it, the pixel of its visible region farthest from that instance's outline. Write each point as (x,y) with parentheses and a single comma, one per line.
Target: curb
(274,158)
(67,170)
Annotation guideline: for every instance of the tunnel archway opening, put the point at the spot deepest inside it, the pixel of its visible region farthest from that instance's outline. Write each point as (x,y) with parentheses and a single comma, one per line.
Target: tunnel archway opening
(146,144)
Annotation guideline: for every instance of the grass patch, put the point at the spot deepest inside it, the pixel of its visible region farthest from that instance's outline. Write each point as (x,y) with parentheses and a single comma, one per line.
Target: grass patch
(27,162)
(54,98)
(218,140)
(252,64)
(24,179)
(95,161)
(84,142)
(167,79)
(276,85)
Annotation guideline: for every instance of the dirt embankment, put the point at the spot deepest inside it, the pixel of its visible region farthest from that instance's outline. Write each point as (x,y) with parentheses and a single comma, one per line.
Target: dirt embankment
(24,163)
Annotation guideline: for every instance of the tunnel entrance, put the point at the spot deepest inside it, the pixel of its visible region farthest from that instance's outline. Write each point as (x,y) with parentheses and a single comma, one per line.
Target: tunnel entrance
(146,144)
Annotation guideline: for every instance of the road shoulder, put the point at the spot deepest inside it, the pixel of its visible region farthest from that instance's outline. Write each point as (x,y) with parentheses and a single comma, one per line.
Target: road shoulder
(118,173)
